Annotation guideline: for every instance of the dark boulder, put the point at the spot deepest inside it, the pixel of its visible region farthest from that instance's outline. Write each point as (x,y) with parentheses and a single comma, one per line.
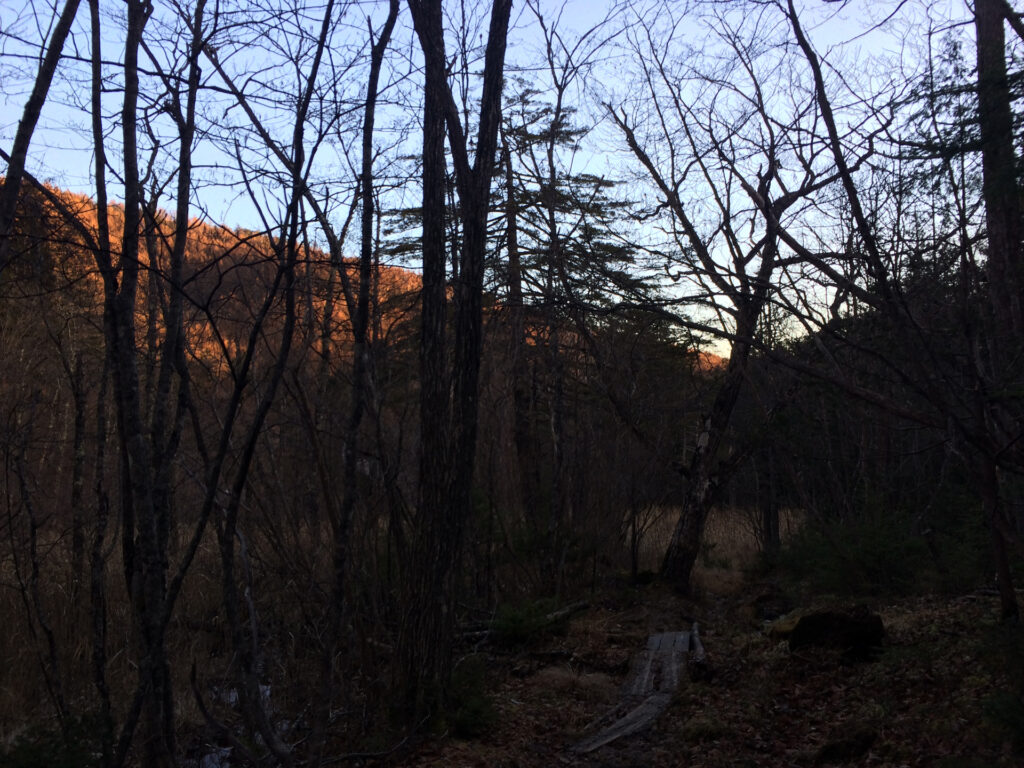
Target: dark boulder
(770,605)
(847,747)
(856,631)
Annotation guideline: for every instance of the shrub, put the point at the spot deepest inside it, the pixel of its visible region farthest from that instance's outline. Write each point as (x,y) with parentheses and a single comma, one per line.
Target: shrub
(1005,711)
(471,711)
(47,747)
(523,623)
(880,553)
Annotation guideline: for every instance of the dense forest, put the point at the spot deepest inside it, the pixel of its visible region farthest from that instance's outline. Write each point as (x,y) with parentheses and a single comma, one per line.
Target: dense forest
(343,341)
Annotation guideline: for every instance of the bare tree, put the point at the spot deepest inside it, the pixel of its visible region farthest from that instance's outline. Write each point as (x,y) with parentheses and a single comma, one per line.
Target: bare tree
(27,125)
(447,433)
(843,260)
(999,416)
(982,426)
(362,372)
(729,161)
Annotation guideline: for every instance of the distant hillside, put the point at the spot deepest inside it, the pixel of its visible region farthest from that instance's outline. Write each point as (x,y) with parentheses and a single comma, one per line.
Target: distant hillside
(226,273)
(708,361)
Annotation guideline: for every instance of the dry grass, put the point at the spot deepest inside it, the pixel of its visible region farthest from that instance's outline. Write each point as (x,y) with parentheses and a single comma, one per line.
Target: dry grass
(23,646)
(729,550)
(572,681)
(194,635)
(288,565)
(290,571)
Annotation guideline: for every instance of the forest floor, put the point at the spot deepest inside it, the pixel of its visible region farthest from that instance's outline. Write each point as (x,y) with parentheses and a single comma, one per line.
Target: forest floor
(934,697)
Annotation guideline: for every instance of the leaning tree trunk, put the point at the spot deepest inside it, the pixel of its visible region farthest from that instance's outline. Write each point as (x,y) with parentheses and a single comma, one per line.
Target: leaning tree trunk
(703,482)
(11,188)
(706,468)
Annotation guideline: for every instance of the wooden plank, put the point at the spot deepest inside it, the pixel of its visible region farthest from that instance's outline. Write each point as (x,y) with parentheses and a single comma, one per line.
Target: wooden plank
(672,662)
(698,646)
(633,721)
(639,684)
(647,692)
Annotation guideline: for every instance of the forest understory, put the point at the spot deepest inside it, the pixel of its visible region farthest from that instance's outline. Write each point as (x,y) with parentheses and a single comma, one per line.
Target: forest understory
(938,695)
(376,378)
(526,688)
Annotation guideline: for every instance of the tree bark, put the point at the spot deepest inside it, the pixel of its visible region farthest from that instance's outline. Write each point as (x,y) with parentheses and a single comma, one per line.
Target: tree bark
(147,570)
(991,496)
(517,337)
(1001,193)
(426,624)
(361,371)
(447,432)
(702,483)
(999,170)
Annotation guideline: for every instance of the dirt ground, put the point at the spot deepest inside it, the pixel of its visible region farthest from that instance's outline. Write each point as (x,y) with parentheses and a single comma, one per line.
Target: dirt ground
(944,692)
(931,699)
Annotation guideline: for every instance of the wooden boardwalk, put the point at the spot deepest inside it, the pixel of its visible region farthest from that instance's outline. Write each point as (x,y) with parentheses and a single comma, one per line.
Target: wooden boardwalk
(654,676)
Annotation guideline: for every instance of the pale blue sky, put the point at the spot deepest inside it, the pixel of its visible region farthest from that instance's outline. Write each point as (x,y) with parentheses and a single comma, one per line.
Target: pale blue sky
(61,151)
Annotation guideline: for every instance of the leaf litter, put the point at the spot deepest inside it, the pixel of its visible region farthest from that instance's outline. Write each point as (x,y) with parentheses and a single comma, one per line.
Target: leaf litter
(927,701)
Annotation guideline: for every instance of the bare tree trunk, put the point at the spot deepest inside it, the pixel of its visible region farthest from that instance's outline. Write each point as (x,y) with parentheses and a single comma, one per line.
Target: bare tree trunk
(147,573)
(360,383)
(517,337)
(27,125)
(97,568)
(78,392)
(1005,334)
(97,559)
(768,504)
(425,627)
(991,497)
(448,437)
(36,614)
(702,482)
(1000,184)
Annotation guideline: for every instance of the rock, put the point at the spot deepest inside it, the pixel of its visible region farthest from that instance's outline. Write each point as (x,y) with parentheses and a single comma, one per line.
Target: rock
(699,670)
(848,748)
(767,605)
(782,628)
(771,604)
(697,665)
(856,631)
